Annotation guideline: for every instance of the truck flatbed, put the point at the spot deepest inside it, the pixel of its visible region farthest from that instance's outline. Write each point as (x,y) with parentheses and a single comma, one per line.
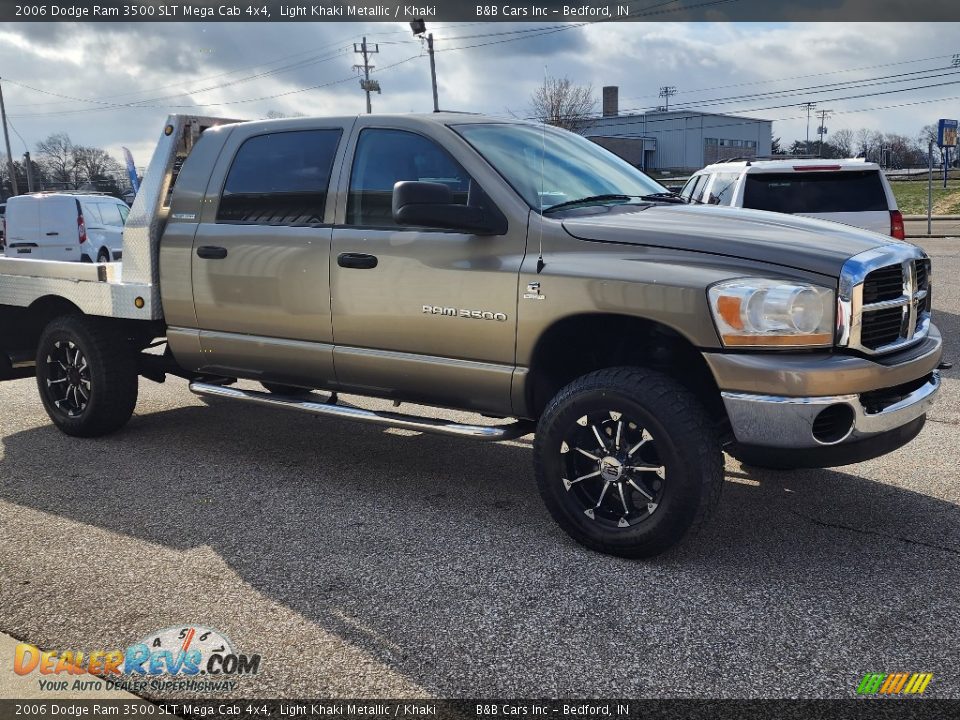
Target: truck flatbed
(97,289)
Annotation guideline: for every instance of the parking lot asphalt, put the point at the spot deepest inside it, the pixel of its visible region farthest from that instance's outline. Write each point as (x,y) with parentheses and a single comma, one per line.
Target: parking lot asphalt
(368,563)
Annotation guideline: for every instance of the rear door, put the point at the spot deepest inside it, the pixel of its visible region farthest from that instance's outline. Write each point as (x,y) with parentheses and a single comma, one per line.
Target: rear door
(59,228)
(852,197)
(261,256)
(23,227)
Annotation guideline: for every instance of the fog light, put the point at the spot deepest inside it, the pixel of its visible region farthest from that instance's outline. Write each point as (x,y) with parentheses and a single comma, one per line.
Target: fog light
(139,303)
(833,424)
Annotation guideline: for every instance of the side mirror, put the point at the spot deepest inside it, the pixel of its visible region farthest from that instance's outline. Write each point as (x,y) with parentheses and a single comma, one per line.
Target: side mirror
(431,204)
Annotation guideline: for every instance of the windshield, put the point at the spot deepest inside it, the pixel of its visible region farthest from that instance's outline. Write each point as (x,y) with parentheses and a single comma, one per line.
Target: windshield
(571,167)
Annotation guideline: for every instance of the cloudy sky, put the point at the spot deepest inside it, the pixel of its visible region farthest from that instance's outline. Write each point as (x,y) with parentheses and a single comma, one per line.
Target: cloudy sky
(111,85)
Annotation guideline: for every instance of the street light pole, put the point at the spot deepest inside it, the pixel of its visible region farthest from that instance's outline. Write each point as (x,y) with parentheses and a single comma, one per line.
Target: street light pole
(433,73)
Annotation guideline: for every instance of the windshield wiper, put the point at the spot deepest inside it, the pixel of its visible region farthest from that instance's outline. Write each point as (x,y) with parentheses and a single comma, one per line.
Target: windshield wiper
(670,197)
(588,199)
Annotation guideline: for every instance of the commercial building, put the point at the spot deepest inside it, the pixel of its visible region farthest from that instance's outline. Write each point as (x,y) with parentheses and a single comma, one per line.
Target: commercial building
(677,139)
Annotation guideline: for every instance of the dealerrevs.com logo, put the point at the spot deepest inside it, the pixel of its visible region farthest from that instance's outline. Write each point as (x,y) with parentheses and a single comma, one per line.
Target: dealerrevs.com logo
(186,658)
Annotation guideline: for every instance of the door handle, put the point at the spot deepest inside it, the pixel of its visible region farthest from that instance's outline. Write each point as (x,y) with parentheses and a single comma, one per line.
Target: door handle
(211,252)
(358,261)
(50,234)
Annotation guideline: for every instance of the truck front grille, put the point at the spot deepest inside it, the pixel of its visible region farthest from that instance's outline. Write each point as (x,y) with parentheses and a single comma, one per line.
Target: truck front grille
(883,284)
(881,327)
(888,297)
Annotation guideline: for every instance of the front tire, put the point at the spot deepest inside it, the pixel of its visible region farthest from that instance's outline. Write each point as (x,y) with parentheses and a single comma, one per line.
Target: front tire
(86,375)
(628,462)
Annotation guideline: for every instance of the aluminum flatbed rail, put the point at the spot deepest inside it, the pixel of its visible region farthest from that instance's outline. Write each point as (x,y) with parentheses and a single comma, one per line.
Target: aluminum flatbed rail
(97,289)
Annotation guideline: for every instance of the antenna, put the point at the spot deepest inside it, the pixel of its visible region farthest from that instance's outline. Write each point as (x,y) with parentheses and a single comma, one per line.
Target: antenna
(543,154)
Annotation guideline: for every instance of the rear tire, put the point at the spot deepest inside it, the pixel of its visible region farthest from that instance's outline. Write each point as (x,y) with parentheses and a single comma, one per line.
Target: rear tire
(628,462)
(86,375)
(103,256)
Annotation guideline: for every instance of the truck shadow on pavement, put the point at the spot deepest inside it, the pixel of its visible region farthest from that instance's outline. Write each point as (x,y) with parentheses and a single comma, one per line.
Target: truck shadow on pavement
(437,558)
(949,326)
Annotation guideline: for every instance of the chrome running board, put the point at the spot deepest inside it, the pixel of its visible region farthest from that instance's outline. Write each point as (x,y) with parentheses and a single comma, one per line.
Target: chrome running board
(316,406)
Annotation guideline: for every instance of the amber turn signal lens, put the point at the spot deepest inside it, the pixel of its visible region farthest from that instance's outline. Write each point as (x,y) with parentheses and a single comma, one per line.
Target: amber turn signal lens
(729,309)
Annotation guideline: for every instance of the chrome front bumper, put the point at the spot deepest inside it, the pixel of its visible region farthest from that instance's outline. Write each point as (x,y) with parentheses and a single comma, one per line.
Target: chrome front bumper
(788,422)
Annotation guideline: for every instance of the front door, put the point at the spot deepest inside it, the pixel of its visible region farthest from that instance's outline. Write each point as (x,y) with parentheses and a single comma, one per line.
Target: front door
(421,314)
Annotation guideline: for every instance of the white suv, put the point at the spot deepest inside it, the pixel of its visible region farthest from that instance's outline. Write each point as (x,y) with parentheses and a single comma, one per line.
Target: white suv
(853,192)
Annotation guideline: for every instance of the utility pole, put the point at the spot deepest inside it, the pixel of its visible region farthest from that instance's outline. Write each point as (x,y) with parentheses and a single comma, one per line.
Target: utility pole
(822,130)
(666,92)
(419,27)
(808,106)
(367,84)
(6,139)
(28,164)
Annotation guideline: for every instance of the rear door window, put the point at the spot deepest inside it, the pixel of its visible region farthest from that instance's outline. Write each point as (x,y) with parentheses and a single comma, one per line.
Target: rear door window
(110,214)
(280,179)
(815,192)
(91,215)
(721,192)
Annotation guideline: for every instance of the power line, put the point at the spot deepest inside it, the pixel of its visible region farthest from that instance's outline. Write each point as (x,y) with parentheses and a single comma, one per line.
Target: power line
(817,89)
(312,51)
(801,77)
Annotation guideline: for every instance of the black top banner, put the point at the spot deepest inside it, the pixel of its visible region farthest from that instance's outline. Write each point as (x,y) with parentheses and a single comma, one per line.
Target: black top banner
(539,11)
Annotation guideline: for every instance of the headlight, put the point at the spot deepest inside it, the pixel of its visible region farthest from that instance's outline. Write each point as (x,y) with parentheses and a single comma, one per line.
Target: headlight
(752,312)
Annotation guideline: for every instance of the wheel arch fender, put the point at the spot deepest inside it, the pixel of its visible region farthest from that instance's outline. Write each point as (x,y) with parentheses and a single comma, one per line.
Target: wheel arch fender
(578,344)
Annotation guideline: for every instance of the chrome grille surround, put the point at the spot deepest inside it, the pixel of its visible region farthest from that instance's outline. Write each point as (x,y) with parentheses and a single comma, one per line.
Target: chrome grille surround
(851,309)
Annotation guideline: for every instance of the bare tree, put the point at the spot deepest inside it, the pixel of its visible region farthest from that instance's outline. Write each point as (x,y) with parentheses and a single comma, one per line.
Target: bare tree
(92,164)
(928,134)
(561,103)
(843,140)
(56,155)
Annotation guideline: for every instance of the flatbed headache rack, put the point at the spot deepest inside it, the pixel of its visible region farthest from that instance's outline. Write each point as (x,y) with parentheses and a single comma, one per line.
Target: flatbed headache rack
(128,290)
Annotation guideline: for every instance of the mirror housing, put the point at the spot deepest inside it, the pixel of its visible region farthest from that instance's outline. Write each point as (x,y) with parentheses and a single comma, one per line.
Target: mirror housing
(430,204)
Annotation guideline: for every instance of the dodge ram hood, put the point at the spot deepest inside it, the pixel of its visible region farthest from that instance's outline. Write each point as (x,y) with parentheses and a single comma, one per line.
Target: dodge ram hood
(788,240)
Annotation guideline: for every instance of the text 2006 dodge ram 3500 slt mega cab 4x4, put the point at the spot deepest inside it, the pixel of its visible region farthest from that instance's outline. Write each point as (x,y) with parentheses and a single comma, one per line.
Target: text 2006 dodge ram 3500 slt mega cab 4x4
(498,267)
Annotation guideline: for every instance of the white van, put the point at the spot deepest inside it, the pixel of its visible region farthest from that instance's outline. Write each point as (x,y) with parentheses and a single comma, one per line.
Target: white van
(65,226)
(852,192)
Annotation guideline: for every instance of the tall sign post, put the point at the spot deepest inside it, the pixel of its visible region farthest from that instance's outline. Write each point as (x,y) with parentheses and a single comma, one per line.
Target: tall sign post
(946,139)
(930,188)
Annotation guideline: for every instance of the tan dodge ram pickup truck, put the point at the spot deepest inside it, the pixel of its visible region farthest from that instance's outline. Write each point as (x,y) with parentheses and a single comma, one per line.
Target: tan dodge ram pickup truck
(497,267)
